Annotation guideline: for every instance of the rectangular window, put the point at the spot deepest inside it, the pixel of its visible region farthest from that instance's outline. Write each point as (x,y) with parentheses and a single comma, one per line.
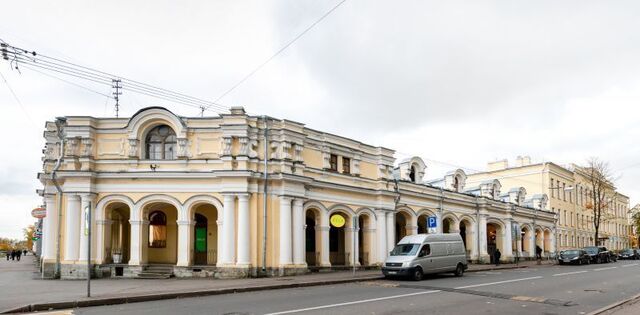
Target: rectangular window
(558,188)
(564,192)
(553,193)
(157,236)
(333,162)
(346,165)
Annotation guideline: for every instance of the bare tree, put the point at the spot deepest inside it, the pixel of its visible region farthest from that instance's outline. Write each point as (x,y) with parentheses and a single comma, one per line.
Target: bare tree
(602,192)
(635,221)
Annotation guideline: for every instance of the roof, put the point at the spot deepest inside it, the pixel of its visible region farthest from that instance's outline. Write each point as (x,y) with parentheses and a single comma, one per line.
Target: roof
(421,238)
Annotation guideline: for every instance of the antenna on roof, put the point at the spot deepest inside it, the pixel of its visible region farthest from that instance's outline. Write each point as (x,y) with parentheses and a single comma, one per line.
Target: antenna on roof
(116,95)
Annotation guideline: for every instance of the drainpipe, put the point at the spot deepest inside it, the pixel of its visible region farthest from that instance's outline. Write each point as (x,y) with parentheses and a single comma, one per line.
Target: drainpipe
(478,228)
(60,122)
(264,199)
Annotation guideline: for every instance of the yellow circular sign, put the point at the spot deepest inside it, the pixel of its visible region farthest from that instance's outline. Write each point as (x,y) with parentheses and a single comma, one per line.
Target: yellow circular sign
(337,220)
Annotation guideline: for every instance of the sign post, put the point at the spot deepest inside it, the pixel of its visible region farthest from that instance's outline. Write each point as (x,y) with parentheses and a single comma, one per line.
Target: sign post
(432,224)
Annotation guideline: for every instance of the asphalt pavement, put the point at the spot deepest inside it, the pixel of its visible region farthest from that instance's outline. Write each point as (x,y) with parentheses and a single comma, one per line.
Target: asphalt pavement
(537,290)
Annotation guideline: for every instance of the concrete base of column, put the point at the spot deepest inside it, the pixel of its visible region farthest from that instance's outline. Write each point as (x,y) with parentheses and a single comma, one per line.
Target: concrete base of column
(49,269)
(75,271)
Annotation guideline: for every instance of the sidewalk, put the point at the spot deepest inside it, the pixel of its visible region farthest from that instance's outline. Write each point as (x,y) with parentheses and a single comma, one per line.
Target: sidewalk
(22,288)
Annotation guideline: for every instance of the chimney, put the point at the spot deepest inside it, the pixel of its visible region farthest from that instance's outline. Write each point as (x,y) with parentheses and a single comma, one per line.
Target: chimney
(523,160)
(237,110)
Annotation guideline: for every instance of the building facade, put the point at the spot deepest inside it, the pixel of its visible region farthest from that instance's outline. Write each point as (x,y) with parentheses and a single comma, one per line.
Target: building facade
(569,197)
(238,195)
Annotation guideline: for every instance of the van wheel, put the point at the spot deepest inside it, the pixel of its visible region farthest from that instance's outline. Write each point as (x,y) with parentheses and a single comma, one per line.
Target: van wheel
(459,270)
(418,274)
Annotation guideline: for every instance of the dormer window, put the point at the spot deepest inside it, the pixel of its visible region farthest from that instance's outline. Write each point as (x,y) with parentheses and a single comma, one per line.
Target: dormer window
(412,174)
(456,183)
(161,143)
(333,162)
(346,165)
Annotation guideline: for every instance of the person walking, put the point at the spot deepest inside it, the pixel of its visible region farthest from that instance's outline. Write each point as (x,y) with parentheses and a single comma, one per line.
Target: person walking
(18,254)
(24,252)
(496,256)
(8,254)
(13,254)
(538,252)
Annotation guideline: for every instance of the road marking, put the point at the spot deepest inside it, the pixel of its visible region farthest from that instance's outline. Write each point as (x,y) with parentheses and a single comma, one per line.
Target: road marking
(353,302)
(629,265)
(498,282)
(569,273)
(606,268)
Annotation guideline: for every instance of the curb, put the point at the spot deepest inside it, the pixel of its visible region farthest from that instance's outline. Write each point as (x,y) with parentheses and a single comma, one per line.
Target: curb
(175,295)
(614,305)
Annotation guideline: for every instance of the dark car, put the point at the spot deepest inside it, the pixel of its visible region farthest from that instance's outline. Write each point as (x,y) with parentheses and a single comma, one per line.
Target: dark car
(629,254)
(597,254)
(612,256)
(574,256)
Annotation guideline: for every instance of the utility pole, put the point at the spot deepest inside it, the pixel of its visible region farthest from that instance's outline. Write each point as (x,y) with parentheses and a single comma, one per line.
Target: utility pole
(116,94)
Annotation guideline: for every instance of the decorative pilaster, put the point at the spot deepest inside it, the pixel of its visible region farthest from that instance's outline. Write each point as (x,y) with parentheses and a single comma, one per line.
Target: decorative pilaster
(139,242)
(324,251)
(244,245)
(103,233)
(226,146)
(72,228)
(133,148)
(87,144)
(285,231)
(391,231)
(87,203)
(183,148)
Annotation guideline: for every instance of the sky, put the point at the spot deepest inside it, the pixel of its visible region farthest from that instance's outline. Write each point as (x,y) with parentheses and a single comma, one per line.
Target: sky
(458,83)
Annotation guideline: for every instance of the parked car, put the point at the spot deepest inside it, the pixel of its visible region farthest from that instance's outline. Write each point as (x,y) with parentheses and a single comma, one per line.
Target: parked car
(597,254)
(574,256)
(417,255)
(612,256)
(629,254)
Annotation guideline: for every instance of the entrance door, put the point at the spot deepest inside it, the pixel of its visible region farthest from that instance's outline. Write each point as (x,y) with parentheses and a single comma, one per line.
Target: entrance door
(200,240)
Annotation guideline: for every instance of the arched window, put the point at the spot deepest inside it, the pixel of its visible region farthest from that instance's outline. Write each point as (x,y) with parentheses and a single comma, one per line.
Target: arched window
(456,183)
(412,174)
(157,229)
(161,143)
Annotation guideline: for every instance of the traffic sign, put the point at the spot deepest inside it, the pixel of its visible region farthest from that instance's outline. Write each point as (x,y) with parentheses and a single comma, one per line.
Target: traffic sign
(39,213)
(432,224)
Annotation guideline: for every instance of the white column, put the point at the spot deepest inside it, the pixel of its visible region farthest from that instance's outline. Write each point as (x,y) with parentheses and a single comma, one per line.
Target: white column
(50,228)
(87,202)
(72,228)
(507,244)
(324,250)
(553,241)
(532,244)
(285,230)
(349,249)
(185,239)
(439,221)
(474,241)
(356,241)
(391,231)
(482,234)
(229,235)
(381,232)
(219,238)
(139,241)
(298,232)
(244,245)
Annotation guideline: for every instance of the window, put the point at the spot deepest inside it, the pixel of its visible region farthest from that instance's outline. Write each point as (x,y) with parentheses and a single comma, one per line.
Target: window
(558,188)
(157,229)
(425,251)
(161,143)
(346,165)
(553,191)
(412,174)
(564,192)
(333,162)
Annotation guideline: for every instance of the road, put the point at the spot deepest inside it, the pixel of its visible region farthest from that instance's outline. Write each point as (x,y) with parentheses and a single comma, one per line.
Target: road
(543,290)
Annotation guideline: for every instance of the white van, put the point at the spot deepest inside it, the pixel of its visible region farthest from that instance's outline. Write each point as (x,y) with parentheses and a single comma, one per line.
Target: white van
(417,255)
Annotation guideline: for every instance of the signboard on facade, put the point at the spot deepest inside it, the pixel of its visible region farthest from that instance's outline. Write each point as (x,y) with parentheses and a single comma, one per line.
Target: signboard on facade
(39,213)
(337,220)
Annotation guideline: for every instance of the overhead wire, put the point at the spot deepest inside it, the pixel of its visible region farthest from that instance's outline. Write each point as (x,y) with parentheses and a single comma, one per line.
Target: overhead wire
(17,99)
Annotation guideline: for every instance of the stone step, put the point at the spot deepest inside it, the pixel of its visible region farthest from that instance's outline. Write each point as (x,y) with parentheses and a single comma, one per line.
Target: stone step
(152,275)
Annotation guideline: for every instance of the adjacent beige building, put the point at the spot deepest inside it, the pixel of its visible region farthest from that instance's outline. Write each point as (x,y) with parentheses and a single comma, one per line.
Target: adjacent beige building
(568,193)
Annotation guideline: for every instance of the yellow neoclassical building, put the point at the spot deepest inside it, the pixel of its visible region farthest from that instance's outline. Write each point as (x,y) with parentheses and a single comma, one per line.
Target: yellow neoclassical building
(238,195)
(569,197)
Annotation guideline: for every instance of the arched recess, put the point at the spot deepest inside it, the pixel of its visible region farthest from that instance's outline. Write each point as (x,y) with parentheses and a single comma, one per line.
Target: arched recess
(316,234)
(449,223)
(539,234)
(495,238)
(341,238)
(547,235)
(404,219)
(421,220)
(366,236)
(158,243)
(205,211)
(525,241)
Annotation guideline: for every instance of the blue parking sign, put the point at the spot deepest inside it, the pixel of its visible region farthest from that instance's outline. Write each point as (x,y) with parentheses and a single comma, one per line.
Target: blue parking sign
(432,222)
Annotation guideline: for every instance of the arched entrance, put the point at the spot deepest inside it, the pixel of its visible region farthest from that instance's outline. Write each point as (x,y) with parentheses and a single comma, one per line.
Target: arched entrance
(118,234)
(205,235)
(540,239)
(525,242)
(162,233)
(312,237)
(494,240)
(547,242)
(448,225)
(423,227)
(339,245)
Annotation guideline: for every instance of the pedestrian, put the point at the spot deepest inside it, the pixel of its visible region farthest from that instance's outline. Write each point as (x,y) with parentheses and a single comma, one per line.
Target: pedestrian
(538,253)
(13,254)
(496,257)
(18,254)
(24,252)
(8,254)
